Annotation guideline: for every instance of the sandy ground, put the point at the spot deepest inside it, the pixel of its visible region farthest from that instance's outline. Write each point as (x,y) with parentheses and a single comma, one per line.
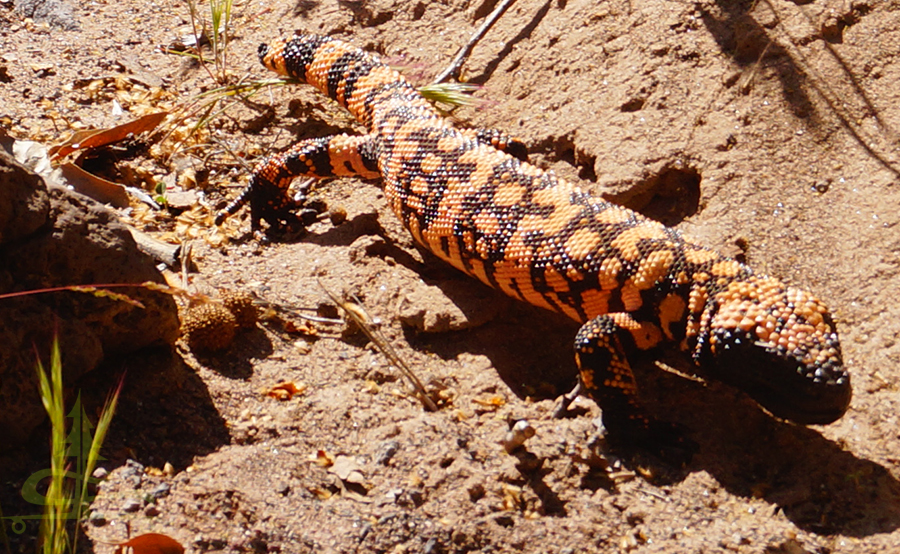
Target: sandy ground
(767,129)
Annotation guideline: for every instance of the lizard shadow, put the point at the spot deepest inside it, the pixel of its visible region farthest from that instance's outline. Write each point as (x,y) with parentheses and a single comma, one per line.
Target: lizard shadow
(508,47)
(236,361)
(815,482)
(741,35)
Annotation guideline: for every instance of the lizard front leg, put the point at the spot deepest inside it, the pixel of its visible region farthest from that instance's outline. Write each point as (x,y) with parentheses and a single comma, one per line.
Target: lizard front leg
(267,190)
(601,349)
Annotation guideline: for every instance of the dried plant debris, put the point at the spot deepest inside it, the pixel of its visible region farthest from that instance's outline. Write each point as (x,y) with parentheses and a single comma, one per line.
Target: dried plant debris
(211,324)
(240,303)
(209,327)
(285,390)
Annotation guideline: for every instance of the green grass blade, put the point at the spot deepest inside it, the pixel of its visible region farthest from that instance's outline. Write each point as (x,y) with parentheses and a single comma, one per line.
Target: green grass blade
(109,409)
(53,532)
(455,94)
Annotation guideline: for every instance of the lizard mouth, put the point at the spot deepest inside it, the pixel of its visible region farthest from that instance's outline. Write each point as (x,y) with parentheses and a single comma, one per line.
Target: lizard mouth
(785,386)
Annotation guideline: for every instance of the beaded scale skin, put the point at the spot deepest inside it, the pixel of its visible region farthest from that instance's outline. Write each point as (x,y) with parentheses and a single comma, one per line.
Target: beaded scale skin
(471,199)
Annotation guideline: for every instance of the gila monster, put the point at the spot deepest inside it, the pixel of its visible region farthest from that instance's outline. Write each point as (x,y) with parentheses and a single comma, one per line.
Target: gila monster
(471,199)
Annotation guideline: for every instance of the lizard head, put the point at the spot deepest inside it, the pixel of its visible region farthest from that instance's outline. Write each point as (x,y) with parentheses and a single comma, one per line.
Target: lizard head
(778,344)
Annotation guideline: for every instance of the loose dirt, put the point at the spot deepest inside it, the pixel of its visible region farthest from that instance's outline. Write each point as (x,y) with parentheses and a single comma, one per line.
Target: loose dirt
(767,129)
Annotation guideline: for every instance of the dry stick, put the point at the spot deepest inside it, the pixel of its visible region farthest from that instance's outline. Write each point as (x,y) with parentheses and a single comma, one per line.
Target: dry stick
(454,67)
(160,251)
(197,38)
(296,312)
(746,80)
(186,263)
(562,409)
(357,314)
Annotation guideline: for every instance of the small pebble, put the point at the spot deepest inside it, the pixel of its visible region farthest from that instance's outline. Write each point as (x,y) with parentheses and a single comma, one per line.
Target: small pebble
(386,451)
(476,492)
(97,519)
(516,437)
(131,506)
(151,510)
(160,490)
(133,473)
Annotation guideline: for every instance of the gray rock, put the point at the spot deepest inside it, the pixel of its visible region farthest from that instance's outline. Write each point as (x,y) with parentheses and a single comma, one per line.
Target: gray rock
(55,12)
(131,506)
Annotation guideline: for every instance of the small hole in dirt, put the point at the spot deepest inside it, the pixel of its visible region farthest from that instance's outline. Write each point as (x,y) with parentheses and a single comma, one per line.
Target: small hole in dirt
(674,195)
(632,105)
(484,9)
(586,168)
(419,11)
(564,149)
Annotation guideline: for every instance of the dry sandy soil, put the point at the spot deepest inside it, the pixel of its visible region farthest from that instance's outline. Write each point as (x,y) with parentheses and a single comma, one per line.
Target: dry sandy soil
(764,128)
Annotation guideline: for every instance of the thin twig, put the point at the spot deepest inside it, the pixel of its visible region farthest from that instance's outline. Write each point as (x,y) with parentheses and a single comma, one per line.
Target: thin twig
(461,57)
(746,80)
(296,311)
(197,40)
(186,254)
(357,314)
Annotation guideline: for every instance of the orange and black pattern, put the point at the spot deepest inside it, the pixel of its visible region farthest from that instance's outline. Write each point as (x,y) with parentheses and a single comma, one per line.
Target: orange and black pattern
(470,198)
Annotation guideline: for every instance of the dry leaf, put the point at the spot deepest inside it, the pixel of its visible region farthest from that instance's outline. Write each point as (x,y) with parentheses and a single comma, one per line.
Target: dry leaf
(97,188)
(86,140)
(188,179)
(296,328)
(491,402)
(285,390)
(33,155)
(322,458)
(151,543)
(347,469)
(321,494)
(182,199)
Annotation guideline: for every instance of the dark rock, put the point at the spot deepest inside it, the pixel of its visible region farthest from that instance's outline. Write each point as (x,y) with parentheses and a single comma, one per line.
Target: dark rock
(97,519)
(52,237)
(24,203)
